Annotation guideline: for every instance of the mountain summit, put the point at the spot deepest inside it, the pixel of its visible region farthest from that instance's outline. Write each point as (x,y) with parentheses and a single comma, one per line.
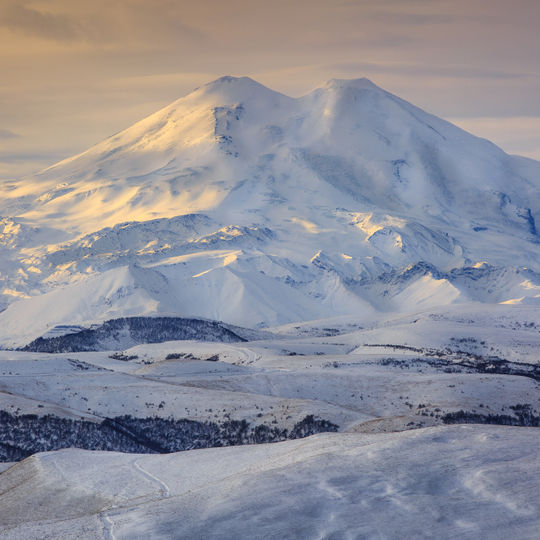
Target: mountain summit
(242,204)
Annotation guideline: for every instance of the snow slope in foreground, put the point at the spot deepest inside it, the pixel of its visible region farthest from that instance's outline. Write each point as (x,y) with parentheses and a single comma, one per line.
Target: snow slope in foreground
(445,482)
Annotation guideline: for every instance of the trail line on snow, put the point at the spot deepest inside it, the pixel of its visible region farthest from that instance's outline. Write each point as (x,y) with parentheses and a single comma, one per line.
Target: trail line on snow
(108,525)
(165,491)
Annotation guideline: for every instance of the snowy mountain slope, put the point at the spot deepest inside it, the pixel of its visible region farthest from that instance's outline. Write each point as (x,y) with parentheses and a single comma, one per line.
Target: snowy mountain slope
(351,137)
(433,482)
(244,205)
(122,291)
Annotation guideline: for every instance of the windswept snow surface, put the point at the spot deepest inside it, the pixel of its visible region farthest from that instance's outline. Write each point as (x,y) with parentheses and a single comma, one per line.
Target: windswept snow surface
(240,204)
(434,482)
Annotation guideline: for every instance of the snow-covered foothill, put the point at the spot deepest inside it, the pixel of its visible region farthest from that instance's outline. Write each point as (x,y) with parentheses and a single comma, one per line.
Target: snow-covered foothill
(433,482)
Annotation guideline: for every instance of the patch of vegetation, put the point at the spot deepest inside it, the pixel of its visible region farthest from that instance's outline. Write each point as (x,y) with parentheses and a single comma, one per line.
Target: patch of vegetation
(524,415)
(137,330)
(456,361)
(24,435)
(123,357)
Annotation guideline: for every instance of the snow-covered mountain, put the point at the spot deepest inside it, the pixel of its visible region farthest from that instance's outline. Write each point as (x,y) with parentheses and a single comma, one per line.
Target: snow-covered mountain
(241,204)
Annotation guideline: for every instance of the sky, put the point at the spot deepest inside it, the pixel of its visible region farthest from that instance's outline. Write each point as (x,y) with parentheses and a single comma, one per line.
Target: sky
(73,72)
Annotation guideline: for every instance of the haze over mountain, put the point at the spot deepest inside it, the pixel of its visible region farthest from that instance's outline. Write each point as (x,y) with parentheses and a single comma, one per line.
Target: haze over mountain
(241,204)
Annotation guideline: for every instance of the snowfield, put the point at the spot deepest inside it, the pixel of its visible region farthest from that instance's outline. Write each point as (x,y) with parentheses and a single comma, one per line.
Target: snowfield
(253,316)
(444,482)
